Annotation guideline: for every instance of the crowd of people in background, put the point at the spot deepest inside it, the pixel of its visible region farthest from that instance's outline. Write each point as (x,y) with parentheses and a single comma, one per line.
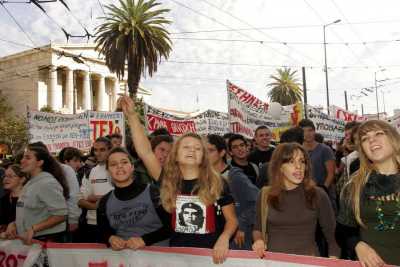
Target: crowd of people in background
(299,196)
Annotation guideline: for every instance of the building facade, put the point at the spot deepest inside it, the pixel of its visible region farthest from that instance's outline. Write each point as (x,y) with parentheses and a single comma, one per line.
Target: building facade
(68,78)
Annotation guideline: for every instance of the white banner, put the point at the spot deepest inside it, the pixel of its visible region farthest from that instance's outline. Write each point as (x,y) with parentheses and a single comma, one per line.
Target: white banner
(332,129)
(247,112)
(57,131)
(15,254)
(61,256)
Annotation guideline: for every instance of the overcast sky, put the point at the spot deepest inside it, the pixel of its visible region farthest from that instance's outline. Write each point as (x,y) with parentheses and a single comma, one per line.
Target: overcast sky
(246,41)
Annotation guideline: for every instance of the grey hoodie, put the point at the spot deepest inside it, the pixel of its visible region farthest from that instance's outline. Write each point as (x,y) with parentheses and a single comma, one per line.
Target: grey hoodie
(41,197)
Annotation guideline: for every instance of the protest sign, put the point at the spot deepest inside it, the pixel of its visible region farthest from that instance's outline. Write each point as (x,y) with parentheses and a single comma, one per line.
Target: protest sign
(58,131)
(63,255)
(247,112)
(208,122)
(106,123)
(15,254)
(331,128)
(342,114)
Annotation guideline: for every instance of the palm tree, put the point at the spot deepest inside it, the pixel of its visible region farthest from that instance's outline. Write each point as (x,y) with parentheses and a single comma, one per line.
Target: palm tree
(134,34)
(285,89)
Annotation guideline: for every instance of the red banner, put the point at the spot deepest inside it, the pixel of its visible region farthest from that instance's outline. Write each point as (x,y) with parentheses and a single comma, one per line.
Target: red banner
(174,127)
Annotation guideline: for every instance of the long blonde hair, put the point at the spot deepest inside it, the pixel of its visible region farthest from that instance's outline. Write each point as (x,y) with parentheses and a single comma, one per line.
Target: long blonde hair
(360,178)
(209,186)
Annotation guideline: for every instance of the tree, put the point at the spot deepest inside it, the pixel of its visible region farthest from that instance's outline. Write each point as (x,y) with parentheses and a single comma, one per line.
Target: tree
(134,34)
(13,129)
(285,89)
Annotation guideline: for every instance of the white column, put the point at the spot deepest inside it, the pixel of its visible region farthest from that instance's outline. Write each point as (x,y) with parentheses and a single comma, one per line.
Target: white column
(102,104)
(54,94)
(86,92)
(69,89)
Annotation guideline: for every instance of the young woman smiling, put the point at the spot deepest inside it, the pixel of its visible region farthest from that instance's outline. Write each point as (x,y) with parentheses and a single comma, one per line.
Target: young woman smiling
(131,215)
(294,205)
(188,179)
(370,202)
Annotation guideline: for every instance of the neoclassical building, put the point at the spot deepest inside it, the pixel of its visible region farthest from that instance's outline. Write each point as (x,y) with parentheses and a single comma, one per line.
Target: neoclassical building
(69,78)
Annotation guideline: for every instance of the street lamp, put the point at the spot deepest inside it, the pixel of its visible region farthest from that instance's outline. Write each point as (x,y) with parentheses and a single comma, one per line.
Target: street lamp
(326,66)
(376,91)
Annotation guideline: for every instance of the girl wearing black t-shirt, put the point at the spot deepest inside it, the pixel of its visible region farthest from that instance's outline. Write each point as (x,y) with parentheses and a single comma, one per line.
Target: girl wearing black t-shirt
(13,182)
(201,208)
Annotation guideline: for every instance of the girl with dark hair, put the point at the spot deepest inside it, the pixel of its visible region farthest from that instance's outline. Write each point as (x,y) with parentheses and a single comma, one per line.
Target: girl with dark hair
(131,215)
(41,208)
(288,210)
(13,182)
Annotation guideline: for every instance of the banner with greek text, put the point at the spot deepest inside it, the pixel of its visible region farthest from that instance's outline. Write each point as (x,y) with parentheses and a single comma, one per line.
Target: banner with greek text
(247,112)
(331,128)
(65,255)
(342,114)
(208,122)
(15,254)
(57,131)
(106,123)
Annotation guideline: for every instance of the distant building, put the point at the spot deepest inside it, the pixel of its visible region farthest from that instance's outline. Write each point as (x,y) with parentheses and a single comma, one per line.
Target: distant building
(69,78)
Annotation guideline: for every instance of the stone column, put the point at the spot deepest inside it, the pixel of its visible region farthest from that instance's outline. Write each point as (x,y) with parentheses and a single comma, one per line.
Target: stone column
(69,89)
(54,95)
(102,104)
(86,92)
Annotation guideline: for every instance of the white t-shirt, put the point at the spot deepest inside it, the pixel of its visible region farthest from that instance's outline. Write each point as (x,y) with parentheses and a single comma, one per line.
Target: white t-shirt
(347,160)
(99,184)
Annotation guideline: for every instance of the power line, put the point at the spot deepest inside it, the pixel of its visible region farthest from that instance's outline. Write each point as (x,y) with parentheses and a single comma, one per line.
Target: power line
(260,31)
(16,22)
(227,26)
(337,35)
(286,27)
(354,31)
(287,42)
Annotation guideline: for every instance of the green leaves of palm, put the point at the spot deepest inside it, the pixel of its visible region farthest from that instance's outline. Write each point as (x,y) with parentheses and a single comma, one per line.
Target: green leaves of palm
(134,34)
(285,89)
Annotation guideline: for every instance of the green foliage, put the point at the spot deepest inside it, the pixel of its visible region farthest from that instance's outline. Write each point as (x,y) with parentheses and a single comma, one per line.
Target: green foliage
(134,33)
(47,109)
(13,129)
(285,88)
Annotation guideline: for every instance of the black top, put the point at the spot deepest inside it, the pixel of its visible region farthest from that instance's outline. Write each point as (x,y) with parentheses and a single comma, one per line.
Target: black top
(259,157)
(128,193)
(380,192)
(7,209)
(205,233)
(248,170)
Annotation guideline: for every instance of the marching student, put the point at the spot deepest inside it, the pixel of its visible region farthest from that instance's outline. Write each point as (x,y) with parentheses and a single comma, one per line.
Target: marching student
(288,210)
(188,182)
(370,202)
(131,216)
(42,207)
(93,189)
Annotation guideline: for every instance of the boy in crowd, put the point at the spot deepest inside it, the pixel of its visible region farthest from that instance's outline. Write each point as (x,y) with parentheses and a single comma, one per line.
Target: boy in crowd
(93,188)
(238,150)
(263,148)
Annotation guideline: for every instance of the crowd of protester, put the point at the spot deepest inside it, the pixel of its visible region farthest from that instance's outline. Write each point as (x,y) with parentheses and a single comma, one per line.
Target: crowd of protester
(300,196)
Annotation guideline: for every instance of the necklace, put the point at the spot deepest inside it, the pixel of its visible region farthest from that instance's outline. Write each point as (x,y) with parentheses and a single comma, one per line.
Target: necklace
(383,224)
